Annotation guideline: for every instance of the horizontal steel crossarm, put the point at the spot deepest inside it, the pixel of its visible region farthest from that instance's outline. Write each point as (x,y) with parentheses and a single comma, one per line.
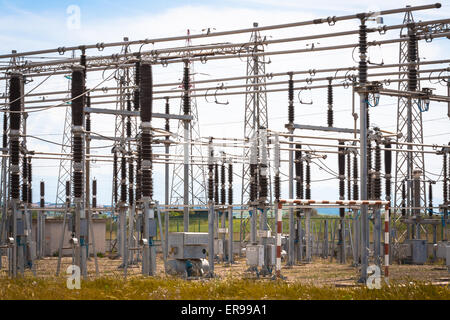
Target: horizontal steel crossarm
(321,128)
(136,113)
(337,202)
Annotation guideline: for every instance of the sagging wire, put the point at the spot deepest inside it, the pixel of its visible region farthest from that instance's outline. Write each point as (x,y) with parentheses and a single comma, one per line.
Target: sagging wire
(71,99)
(374,63)
(221,87)
(300,99)
(442,80)
(26,94)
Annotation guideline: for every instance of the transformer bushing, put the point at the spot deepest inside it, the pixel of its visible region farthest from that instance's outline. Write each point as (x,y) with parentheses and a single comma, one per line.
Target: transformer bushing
(388,169)
(123,211)
(263,192)
(230,212)
(216,199)
(40,225)
(138,194)
(186,99)
(341,163)
(253,187)
(308,180)
(290,127)
(222,202)
(94,193)
(445,201)
(149,222)
(115,183)
(364,124)
(330,104)
(211,213)
(369,171)
(15,107)
(299,172)
(430,198)
(79,241)
(30,180)
(355,178)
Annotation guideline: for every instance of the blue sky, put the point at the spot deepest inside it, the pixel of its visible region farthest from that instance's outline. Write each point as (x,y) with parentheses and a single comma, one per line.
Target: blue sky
(33,25)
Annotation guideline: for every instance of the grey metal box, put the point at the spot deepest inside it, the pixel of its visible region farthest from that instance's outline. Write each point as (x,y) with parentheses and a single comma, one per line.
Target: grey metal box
(255,255)
(20,227)
(152,227)
(271,252)
(418,251)
(447,262)
(441,251)
(31,250)
(83,227)
(221,246)
(188,245)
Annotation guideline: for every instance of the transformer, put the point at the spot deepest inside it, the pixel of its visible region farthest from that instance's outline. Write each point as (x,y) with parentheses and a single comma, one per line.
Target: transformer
(188,245)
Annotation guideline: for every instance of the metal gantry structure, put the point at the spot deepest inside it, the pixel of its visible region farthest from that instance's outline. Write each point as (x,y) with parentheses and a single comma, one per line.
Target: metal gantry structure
(196,184)
(409,126)
(134,207)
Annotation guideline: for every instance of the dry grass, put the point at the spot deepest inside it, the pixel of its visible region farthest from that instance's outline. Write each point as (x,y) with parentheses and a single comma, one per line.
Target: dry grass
(316,280)
(219,289)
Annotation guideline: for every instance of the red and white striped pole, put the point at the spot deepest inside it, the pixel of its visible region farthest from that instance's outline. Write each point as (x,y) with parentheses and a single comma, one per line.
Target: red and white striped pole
(386,242)
(278,204)
(279,231)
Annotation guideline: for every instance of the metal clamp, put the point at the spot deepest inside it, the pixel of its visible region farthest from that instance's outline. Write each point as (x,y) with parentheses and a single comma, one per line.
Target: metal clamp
(100,46)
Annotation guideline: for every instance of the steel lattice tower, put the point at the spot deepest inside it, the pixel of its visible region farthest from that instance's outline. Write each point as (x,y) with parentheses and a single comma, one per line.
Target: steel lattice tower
(197,179)
(121,145)
(65,168)
(255,106)
(65,164)
(409,124)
